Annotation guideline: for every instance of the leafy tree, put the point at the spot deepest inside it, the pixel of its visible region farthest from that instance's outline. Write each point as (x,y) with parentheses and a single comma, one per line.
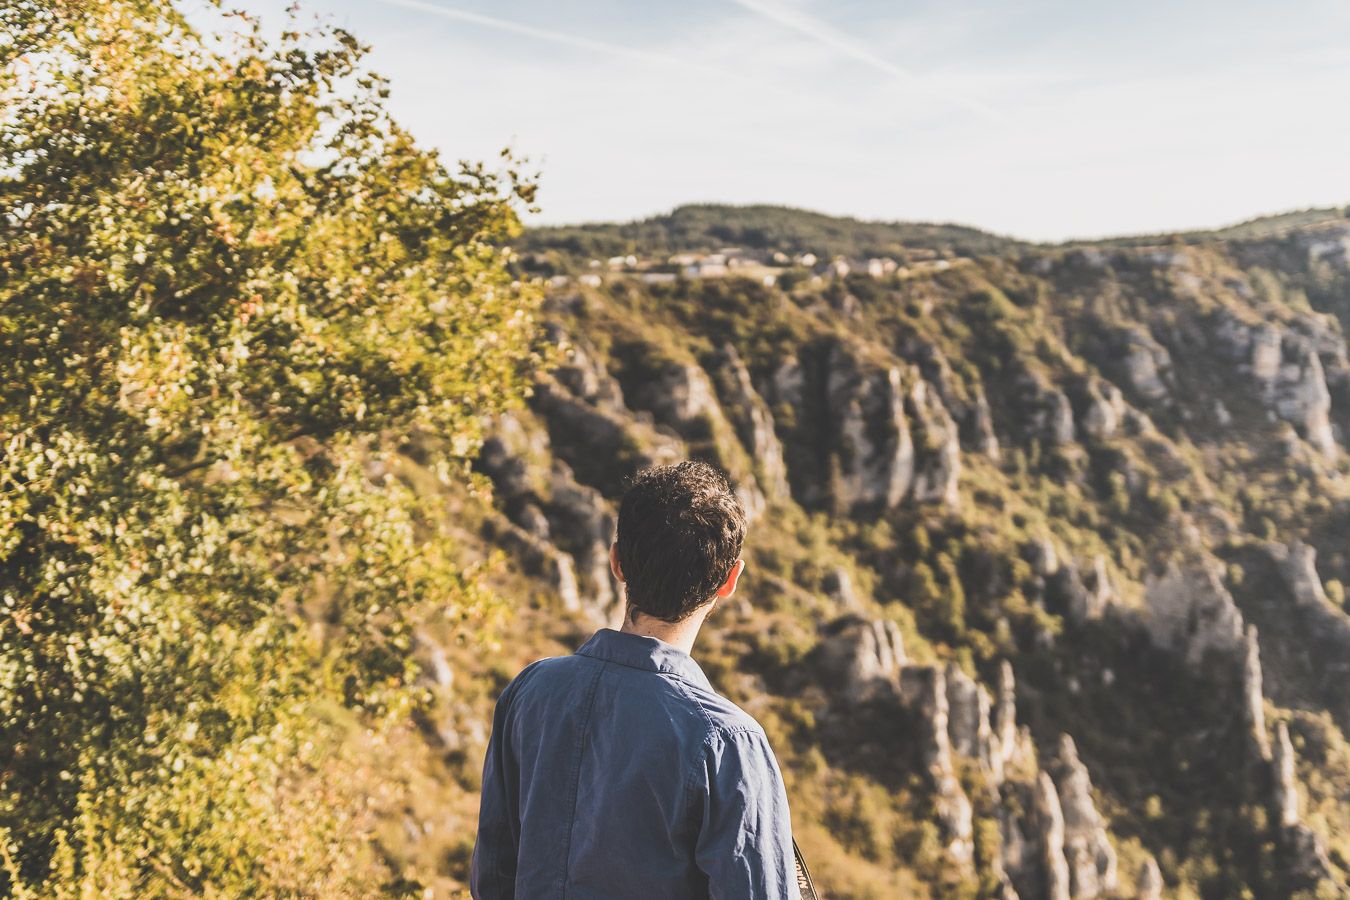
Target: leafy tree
(227,282)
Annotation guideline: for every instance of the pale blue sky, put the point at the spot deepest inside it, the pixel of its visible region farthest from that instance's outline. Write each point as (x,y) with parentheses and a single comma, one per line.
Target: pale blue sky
(1046,119)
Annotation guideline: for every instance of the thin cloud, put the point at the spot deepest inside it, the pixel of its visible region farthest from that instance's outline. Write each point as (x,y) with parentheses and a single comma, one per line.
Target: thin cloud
(544,34)
(822,32)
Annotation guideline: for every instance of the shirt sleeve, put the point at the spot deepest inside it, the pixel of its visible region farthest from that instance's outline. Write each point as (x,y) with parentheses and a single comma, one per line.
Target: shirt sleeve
(492,873)
(745,837)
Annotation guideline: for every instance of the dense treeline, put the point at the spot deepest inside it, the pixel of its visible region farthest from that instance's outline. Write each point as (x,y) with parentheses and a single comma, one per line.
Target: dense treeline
(709,226)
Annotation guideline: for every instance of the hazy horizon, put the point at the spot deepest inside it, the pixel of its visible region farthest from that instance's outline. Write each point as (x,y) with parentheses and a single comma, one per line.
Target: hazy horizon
(1217,226)
(1046,122)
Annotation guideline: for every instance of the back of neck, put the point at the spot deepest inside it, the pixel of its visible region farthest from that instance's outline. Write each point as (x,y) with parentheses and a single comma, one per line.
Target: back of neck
(680,635)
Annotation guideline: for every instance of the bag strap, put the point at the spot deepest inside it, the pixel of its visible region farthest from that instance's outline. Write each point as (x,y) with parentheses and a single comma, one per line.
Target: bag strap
(804,884)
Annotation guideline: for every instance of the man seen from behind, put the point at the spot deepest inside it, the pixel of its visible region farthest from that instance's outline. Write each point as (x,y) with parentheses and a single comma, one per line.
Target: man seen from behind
(618,772)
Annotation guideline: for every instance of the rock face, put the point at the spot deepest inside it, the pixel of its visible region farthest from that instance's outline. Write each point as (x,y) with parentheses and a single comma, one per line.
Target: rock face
(1090,856)
(1301,397)
(561,529)
(1104,411)
(1149,881)
(970,411)
(1059,846)
(968,720)
(680,395)
(541,559)
(1300,573)
(1049,414)
(876,451)
(938,453)
(581,373)
(1326,626)
(1191,612)
(1253,700)
(515,457)
(1084,596)
(1288,371)
(750,416)
(924,691)
(1305,854)
(1050,820)
(584,522)
(978,427)
(1285,797)
(860,657)
(1005,714)
(1147,365)
(601,445)
(788,385)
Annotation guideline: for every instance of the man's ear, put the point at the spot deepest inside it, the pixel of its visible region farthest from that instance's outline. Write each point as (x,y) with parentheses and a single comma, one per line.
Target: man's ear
(614,562)
(729,586)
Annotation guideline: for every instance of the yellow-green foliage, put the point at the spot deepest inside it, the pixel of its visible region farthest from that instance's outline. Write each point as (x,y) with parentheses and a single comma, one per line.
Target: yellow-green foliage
(225,277)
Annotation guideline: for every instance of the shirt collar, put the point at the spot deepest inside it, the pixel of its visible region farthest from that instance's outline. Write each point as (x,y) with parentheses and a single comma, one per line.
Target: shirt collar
(641,652)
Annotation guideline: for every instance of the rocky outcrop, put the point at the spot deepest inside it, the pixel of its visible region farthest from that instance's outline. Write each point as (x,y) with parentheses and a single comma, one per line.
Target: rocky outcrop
(679,395)
(584,522)
(938,450)
(1005,715)
(555,516)
(1048,412)
(1285,794)
(1041,555)
(1049,818)
(581,373)
(1288,371)
(603,447)
(1300,574)
(1326,626)
(516,457)
(1084,596)
(539,559)
(977,427)
(968,721)
(860,657)
(875,450)
(1146,364)
(1301,397)
(924,692)
(969,408)
(1304,852)
(1253,699)
(1148,884)
(838,586)
(1058,847)
(788,384)
(750,417)
(1191,612)
(1104,410)
(1090,856)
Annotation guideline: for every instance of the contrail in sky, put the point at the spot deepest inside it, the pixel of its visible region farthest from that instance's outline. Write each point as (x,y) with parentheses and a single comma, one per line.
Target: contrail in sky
(823,33)
(544,34)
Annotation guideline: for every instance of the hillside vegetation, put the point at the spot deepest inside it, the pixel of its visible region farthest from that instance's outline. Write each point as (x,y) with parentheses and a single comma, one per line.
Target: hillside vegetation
(1045,590)
(302,463)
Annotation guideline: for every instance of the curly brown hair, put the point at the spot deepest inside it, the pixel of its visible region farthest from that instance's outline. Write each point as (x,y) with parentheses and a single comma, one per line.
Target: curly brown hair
(680,531)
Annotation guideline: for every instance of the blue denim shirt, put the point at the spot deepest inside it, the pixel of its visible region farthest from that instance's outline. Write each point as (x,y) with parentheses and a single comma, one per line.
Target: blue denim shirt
(618,772)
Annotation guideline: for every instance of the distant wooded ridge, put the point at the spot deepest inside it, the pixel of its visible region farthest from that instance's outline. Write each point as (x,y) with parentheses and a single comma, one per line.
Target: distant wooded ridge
(705,227)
